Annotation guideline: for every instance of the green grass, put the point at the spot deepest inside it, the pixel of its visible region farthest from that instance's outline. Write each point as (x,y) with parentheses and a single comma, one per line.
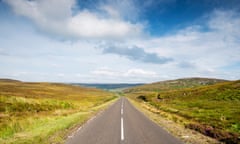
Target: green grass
(45,112)
(39,130)
(213,110)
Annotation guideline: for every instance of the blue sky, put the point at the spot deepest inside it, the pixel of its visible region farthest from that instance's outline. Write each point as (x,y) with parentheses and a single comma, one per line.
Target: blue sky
(113,41)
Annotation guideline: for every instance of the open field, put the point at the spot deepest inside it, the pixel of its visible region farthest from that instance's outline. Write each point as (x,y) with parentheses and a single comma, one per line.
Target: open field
(213,110)
(45,112)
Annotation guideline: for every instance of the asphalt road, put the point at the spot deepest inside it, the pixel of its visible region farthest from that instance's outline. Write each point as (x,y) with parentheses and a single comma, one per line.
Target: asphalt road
(121,123)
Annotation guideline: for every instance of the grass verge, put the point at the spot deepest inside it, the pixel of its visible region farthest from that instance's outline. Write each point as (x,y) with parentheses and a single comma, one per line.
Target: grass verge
(44,112)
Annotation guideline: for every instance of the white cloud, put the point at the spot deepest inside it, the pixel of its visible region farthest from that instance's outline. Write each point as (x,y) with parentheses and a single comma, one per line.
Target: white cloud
(105,72)
(227,22)
(87,25)
(127,9)
(56,17)
(111,11)
(139,73)
(130,74)
(60,75)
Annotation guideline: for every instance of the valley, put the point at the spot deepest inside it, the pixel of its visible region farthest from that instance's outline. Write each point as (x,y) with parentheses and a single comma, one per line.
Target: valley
(41,112)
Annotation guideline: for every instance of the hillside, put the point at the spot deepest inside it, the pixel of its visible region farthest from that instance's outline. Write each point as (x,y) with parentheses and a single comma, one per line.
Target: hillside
(35,112)
(213,110)
(8,80)
(175,84)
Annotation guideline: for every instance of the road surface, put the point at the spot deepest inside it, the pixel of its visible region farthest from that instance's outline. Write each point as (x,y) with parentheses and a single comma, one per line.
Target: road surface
(121,123)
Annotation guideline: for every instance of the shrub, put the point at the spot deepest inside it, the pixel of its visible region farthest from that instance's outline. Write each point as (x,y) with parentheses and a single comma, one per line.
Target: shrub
(223,136)
(142,97)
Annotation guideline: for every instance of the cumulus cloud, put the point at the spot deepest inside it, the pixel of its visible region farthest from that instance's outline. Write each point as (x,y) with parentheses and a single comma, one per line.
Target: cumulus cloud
(57,17)
(136,54)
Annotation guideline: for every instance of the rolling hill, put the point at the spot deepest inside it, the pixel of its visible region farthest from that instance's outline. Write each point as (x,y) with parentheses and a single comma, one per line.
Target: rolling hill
(209,106)
(175,84)
(43,112)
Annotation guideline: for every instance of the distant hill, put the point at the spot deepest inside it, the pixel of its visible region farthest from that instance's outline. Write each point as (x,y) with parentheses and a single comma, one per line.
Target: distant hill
(59,91)
(175,84)
(108,86)
(8,80)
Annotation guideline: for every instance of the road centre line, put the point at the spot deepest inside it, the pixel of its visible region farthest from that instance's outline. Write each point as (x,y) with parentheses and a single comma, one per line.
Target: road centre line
(122,130)
(122,127)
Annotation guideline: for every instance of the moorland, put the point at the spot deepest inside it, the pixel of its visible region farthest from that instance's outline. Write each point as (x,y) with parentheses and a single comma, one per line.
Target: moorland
(209,106)
(46,112)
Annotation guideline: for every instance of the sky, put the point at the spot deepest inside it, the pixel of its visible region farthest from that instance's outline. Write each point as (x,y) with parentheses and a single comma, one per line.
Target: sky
(119,41)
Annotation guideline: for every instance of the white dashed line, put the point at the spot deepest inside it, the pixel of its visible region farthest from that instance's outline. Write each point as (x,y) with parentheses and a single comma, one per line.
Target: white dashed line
(122,130)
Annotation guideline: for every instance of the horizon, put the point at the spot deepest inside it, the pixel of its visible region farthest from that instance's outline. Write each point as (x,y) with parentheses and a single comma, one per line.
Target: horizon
(99,83)
(121,42)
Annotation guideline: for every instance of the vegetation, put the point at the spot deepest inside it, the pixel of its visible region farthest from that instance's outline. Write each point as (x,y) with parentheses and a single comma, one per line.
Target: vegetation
(174,84)
(213,110)
(44,112)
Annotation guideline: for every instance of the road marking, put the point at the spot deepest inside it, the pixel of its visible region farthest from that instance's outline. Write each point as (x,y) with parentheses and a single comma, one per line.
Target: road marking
(122,108)
(122,130)
(122,102)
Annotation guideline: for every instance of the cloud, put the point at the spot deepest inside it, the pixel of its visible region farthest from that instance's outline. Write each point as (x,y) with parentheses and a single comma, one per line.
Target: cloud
(225,22)
(186,65)
(136,54)
(208,46)
(140,73)
(130,73)
(208,49)
(135,10)
(105,72)
(127,9)
(3,53)
(61,20)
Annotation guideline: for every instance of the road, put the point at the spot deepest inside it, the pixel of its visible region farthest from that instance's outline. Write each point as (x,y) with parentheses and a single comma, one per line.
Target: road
(121,123)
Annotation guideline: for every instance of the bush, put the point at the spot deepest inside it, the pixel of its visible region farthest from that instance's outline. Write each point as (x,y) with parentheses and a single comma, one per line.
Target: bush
(142,97)
(223,136)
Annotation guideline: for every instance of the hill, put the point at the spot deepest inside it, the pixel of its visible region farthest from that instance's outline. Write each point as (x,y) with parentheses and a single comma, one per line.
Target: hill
(9,80)
(213,110)
(42,112)
(175,84)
